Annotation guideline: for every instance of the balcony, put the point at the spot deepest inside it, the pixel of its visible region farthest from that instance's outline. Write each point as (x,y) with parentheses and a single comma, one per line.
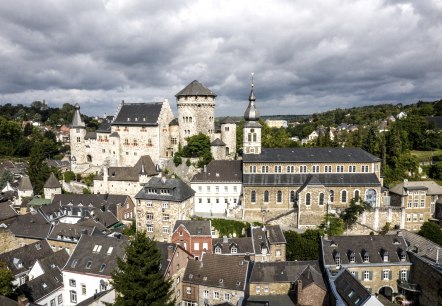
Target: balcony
(408,286)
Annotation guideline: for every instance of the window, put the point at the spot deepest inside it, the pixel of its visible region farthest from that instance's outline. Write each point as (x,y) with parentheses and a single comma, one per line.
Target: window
(321,198)
(292,196)
(421,217)
(315,168)
(149,216)
(408,217)
(338,261)
(265,169)
(149,228)
(356,194)
(252,169)
(72,283)
(233,250)
(303,169)
(102,267)
(343,196)
(73,295)
(386,274)
(351,293)
(165,205)
(278,169)
(53,302)
(149,204)
(165,230)
(327,168)
(308,199)
(414,217)
(364,168)
(188,290)
(78,139)
(422,203)
(60,299)
(416,203)
(226,188)
(216,295)
(266,196)
(166,217)
(206,293)
(226,296)
(279,196)
(253,196)
(404,275)
(97,248)
(339,168)
(366,275)
(83,289)
(196,246)
(217,250)
(290,169)
(266,288)
(89,264)
(216,189)
(351,168)
(235,188)
(352,258)
(258,289)
(366,257)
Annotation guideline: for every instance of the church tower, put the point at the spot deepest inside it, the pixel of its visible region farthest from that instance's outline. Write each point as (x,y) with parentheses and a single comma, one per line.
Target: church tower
(196,111)
(252,128)
(77,134)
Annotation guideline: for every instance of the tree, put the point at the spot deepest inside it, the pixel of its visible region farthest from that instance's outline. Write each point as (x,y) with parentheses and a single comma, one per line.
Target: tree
(137,279)
(198,146)
(332,225)
(301,246)
(6,279)
(5,177)
(38,170)
(351,214)
(432,231)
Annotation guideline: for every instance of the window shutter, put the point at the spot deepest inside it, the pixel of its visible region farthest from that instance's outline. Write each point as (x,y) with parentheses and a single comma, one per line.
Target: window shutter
(370,275)
(390,275)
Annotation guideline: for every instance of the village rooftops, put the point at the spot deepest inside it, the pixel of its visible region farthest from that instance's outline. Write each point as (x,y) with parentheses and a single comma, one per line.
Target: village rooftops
(350,289)
(144,166)
(31,225)
(242,245)
(52,182)
(165,189)
(194,227)
(228,272)
(311,155)
(220,171)
(431,187)
(195,88)
(96,255)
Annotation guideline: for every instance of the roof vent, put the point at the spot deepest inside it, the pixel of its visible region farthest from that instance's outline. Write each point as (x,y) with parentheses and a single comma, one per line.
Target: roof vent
(225,239)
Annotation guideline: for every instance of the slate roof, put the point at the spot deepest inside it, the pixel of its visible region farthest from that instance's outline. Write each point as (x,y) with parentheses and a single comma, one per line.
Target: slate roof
(195,88)
(218,143)
(90,135)
(25,183)
(31,225)
(58,163)
(85,260)
(56,259)
(227,120)
(76,120)
(173,122)
(164,247)
(139,114)
(421,246)
(270,300)
(311,155)
(326,179)
(22,259)
(360,244)
(275,234)
(4,301)
(218,271)
(195,227)
(346,283)
(178,190)
(288,271)
(52,182)
(6,211)
(132,174)
(244,245)
(104,127)
(259,239)
(43,285)
(431,187)
(220,171)
(69,232)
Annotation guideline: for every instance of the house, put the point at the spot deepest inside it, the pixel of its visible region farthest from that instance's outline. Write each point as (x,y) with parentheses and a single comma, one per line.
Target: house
(239,246)
(272,123)
(51,187)
(7,213)
(160,203)
(195,236)
(214,280)
(174,259)
(379,263)
(45,285)
(25,189)
(300,281)
(21,260)
(89,268)
(30,228)
(269,243)
(418,201)
(217,188)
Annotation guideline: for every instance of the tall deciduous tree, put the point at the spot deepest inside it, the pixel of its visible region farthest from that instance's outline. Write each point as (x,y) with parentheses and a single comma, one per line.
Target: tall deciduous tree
(38,170)
(432,231)
(137,279)
(6,279)
(351,214)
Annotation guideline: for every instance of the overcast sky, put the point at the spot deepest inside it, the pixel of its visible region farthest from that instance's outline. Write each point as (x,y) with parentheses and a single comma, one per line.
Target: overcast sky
(307,56)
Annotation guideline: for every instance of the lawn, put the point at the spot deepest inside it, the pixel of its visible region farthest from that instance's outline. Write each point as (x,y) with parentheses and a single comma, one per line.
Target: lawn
(425,156)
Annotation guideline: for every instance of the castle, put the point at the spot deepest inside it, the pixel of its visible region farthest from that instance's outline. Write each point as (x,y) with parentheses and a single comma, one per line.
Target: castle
(140,129)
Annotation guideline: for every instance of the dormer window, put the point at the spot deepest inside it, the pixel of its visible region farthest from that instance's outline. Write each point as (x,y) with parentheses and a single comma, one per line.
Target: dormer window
(403,255)
(233,250)
(352,257)
(385,256)
(337,259)
(217,250)
(366,257)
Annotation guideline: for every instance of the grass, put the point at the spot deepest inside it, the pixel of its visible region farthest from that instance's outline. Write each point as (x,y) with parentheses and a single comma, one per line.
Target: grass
(425,156)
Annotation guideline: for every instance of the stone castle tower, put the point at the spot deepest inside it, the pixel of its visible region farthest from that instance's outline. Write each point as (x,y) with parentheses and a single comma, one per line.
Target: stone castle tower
(252,128)
(77,134)
(196,111)
(228,135)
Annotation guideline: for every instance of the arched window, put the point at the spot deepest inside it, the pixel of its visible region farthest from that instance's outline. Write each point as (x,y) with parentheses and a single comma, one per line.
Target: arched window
(292,196)
(343,196)
(370,197)
(321,198)
(332,196)
(253,196)
(227,151)
(266,196)
(279,196)
(356,195)
(254,136)
(249,137)
(308,200)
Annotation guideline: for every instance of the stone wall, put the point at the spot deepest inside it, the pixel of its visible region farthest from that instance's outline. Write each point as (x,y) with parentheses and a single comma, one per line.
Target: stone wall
(234,295)
(228,136)
(9,242)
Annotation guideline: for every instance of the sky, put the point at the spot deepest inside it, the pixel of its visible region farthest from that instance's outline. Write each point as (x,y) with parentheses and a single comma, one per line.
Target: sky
(306,56)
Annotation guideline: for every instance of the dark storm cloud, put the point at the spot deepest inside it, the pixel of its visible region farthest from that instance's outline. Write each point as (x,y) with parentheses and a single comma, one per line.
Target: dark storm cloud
(306,57)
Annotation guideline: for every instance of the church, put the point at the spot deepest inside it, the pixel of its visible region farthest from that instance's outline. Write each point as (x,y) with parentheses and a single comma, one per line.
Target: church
(140,129)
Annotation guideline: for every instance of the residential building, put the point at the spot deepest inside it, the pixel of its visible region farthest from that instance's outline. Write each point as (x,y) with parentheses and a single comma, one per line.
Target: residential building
(89,268)
(274,123)
(160,203)
(214,280)
(194,236)
(237,246)
(218,188)
(269,243)
(51,187)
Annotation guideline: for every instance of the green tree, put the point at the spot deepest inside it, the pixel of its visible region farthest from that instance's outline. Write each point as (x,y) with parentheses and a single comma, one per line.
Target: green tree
(37,169)
(5,177)
(301,248)
(332,225)
(6,279)
(198,146)
(432,231)
(137,279)
(351,214)
(69,176)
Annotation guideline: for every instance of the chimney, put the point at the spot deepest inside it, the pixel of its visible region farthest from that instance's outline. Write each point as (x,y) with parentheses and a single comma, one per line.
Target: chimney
(170,252)
(225,239)
(205,168)
(437,256)
(163,179)
(299,292)
(22,300)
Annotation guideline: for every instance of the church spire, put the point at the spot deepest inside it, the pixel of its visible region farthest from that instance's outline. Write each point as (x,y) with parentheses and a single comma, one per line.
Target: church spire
(77,121)
(251,113)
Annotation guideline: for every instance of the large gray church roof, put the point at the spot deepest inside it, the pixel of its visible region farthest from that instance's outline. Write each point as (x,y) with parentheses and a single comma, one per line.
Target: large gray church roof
(139,114)
(312,155)
(195,89)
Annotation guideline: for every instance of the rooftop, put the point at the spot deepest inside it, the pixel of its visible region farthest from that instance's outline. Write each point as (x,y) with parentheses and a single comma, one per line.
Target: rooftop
(220,171)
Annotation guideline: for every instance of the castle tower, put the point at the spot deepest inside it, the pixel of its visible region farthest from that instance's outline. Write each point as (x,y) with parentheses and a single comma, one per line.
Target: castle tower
(77,134)
(252,128)
(51,187)
(196,111)
(228,136)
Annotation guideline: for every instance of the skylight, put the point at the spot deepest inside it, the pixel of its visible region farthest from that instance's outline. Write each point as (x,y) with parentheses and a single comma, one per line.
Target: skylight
(89,264)
(97,248)
(102,267)
(109,250)
(74,263)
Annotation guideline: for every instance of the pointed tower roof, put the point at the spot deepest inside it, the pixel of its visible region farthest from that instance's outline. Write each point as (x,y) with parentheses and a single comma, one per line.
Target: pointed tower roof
(228,120)
(25,183)
(251,113)
(195,89)
(52,182)
(76,121)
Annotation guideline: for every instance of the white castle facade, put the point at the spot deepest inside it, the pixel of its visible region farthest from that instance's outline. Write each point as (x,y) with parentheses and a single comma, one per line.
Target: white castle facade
(140,129)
